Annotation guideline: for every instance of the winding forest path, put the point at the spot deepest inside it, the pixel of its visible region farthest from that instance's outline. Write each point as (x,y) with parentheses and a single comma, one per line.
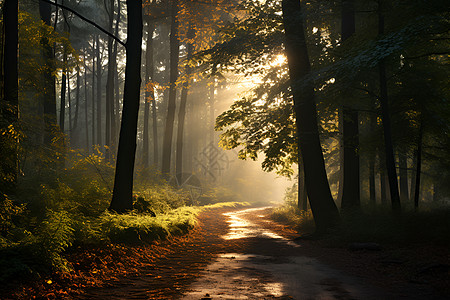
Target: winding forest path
(241,254)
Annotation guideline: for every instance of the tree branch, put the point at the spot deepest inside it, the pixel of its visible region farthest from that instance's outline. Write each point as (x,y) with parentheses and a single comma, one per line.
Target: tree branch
(87,20)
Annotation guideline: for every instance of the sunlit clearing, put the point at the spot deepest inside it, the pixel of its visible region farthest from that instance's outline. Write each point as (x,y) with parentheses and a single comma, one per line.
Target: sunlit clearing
(278,61)
(275,288)
(240,227)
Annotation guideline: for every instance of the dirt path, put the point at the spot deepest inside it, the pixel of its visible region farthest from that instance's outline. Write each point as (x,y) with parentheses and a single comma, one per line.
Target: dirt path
(241,254)
(272,266)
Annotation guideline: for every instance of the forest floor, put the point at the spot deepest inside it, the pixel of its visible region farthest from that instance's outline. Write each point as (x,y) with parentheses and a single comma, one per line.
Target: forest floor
(242,254)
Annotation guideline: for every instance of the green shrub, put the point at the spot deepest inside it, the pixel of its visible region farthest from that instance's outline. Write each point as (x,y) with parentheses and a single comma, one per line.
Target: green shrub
(38,252)
(292,215)
(141,228)
(8,211)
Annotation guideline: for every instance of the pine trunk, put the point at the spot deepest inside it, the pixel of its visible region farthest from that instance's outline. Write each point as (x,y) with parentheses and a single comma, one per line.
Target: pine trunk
(149,93)
(45,11)
(350,135)
(99,93)
(386,119)
(86,118)
(403,173)
(418,167)
(109,101)
(170,119)
(182,110)
(93,93)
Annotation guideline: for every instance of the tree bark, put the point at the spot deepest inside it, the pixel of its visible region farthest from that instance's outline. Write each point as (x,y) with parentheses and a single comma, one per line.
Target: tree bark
(212,91)
(86,118)
(122,199)
(149,91)
(183,102)
(93,93)
(62,107)
(99,92)
(324,209)
(109,101)
(403,173)
(351,185)
(303,196)
(45,11)
(115,107)
(77,101)
(386,118)
(69,103)
(170,119)
(418,166)
(372,157)
(10,110)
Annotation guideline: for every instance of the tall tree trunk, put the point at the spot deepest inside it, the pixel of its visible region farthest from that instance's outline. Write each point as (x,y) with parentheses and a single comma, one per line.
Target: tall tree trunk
(77,103)
(122,199)
(351,185)
(183,101)
(115,107)
(324,209)
(418,165)
(94,140)
(45,11)
(109,101)
(372,193)
(170,119)
(69,103)
(403,173)
(10,107)
(412,188)
(383,190)
(155,133)
(303,196)
(386,118)
(149,91)
(86,118)
(99,92)
(212,91)
(372,157)
(62,107)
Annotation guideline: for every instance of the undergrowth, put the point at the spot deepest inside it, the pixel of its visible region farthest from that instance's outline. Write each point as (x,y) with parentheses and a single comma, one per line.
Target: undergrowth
(374,224)
(54,211)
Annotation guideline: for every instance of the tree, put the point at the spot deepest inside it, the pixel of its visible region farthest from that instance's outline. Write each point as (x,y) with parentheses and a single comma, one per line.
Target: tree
(110,117)
(49,96)
(10,102)
(183,101)
(170,119)
(324,209)
(149,98)
(122,199)
(350,138)
(385,115)
(99,91)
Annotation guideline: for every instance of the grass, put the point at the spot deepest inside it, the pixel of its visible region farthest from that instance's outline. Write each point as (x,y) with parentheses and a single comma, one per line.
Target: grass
(376,225)
(291,215)
(132,228)
(226,205)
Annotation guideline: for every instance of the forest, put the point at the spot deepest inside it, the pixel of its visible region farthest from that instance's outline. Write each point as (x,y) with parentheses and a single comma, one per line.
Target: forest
(134,133)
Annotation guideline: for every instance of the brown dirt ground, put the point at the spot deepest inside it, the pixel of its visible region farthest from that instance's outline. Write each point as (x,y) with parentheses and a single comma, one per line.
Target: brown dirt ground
(164,269)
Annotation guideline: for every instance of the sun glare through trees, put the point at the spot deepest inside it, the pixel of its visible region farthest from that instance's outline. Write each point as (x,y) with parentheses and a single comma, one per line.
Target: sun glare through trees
(207,149)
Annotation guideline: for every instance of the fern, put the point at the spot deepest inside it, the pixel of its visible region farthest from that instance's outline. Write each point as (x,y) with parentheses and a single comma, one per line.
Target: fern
(56,234)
